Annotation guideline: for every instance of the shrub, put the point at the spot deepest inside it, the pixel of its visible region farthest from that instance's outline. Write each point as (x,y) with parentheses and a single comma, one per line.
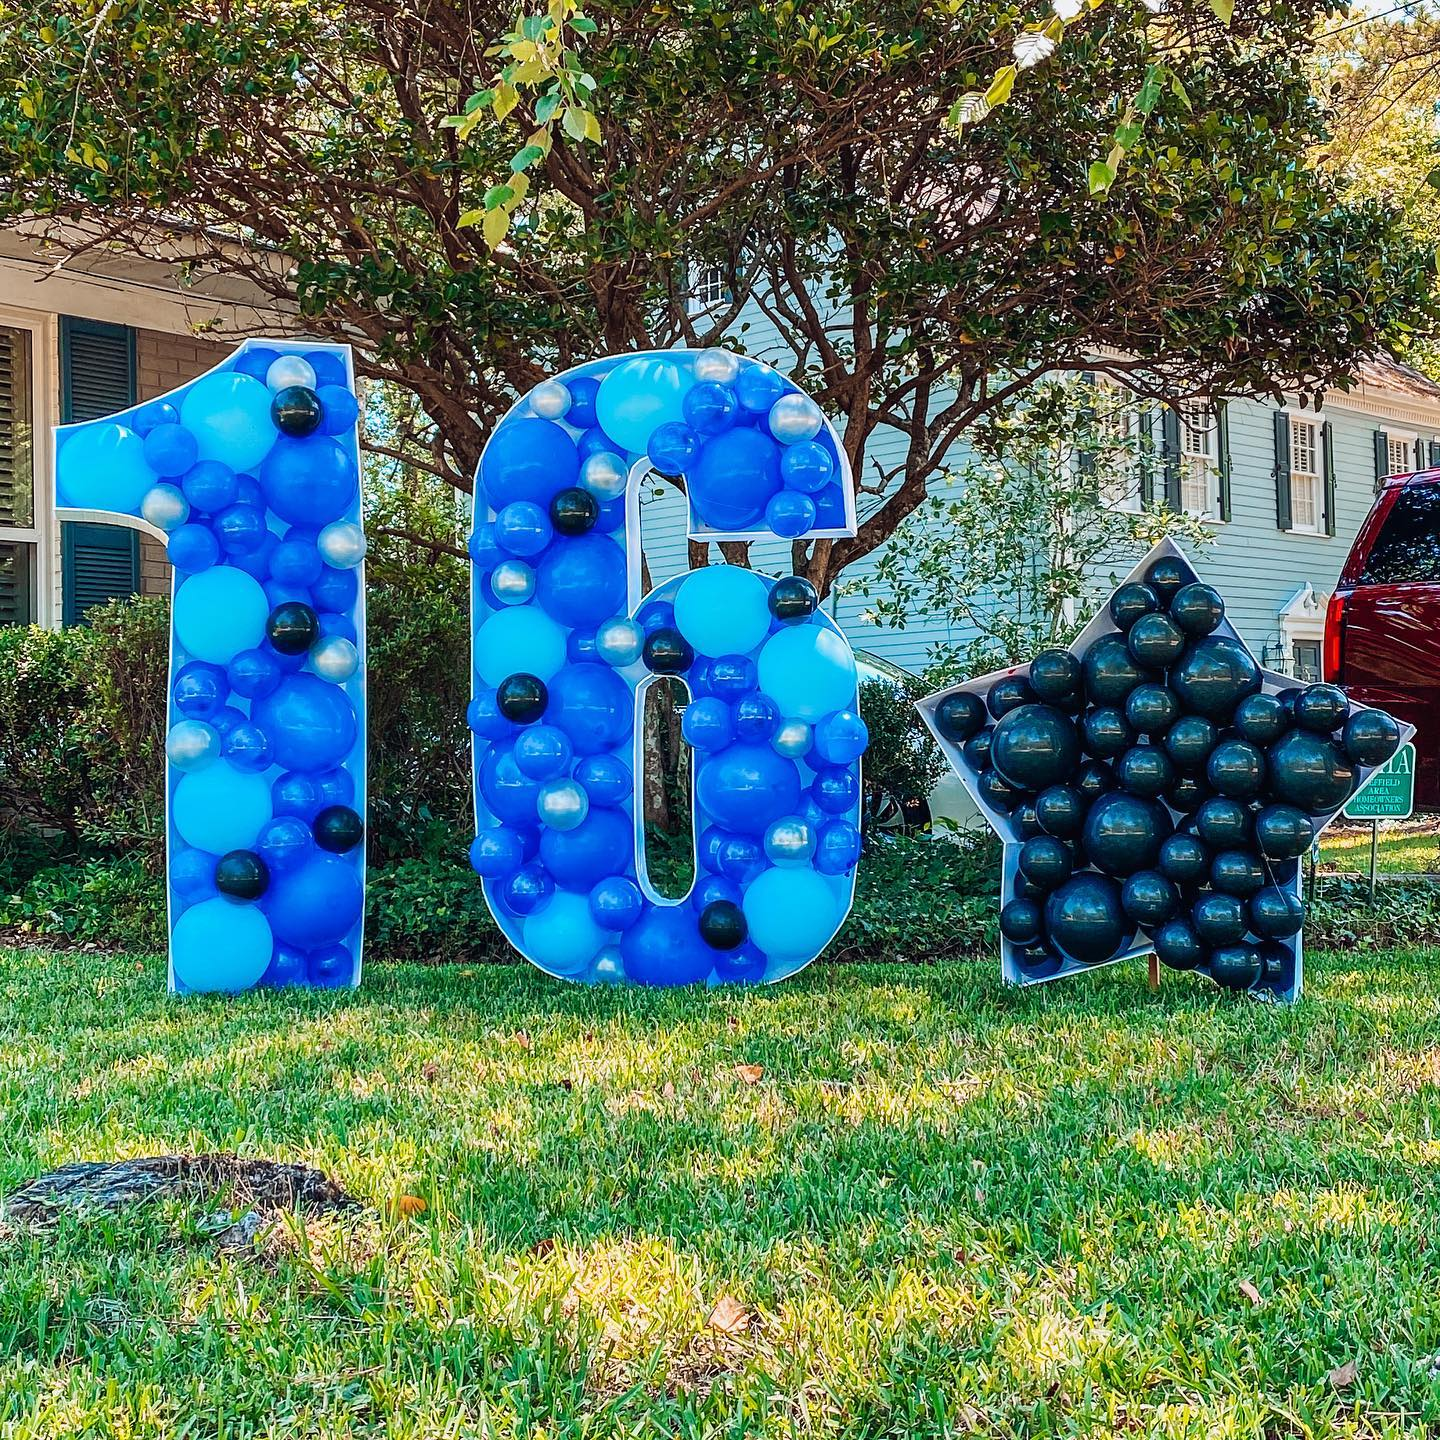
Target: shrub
(903,763)
(115,902)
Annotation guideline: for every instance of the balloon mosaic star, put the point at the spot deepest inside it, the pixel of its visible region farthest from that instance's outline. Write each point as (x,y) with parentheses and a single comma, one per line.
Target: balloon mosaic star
(1156,790)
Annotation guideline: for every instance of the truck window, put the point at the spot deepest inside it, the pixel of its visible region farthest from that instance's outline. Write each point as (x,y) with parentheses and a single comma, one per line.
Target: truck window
(1407,549)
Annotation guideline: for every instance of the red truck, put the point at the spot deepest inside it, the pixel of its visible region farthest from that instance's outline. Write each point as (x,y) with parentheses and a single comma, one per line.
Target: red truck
(1382,630)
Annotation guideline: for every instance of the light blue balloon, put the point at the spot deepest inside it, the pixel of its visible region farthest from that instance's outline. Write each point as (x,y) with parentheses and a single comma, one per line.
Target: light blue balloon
(723,610)
(103,467)
(220,612)
(220,946)
(229,415)
(639,395)
(791,913)
(562,936)
(220,808)
(521,640)
(809,672)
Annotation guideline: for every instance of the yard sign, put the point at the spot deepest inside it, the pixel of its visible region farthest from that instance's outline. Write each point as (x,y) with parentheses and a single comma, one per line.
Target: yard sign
(1389,794)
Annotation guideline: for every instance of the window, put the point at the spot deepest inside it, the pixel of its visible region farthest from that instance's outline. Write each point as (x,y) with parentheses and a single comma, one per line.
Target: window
(708,288)
(1305,660)
(1407,549)
(1399,453)
(1199,463)
(19,538)
(1305,512)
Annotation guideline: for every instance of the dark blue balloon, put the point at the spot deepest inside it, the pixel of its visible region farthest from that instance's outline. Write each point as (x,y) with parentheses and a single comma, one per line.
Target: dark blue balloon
(528,459)
(665,948)
(247,748)
(330,967)
(317,902)
(757,717)
(335,589)
(616,903)
(284,842)
(592,705)
(506,789)
(256,363)
(335,787)
(296,560)
(192,548)
(287,967)
(241,528)
(581,581)
(742,966)
(209,486)
(655,615)
(310,723)
(226,718)
(734,477)
(582,857)
(170,450)
(838,848)
(199,689)
(606,778)
(297,795)
(746,787)
(329,368)
(339,409)
(309,480)
(583,390)
(732,676)
(527,889)
(594,441)
(836,790)
(742,858)
(580,646)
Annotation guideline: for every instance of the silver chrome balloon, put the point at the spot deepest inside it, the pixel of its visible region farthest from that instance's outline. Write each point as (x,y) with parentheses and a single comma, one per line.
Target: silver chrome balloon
(550,400)
(604,475)
(290,370)
(513,581)
(341,544)
(562,804)
(795,417)
(192,744)
(794,739)
(789,842)
(719,365)
(165,507)
(334,659)
(619,642)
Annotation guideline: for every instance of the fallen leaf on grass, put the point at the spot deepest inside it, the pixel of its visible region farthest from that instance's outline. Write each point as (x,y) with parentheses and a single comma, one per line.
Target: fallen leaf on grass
(542,1248)
(431,1073)
(750,1074)
(1249,1292)
(667,1090)
(410,1205)
(522,1039)
(729,1316)
(1343,1376)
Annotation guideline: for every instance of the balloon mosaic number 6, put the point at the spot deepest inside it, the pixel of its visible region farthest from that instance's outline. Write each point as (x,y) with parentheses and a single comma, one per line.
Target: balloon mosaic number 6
(564,646)
(251,473)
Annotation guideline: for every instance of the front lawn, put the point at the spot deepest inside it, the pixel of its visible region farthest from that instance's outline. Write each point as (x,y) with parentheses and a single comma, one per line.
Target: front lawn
(1411,846)
(873,1202)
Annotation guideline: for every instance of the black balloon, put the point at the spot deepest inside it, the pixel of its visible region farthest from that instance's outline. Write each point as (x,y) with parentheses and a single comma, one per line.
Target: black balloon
(1055,676)
(668,652)
(1223,824)
(1167,575)
(293,627)
(296,411)
(1009,693)
(1035,746)
(1123,833)
(1156,641)
(1238,873)
(1310,772)
(242,875)
(1110,671)
(1060,811)
(1278,960)
(1177,944)
(1189,741)
(959,716)
(522,698)
(338,828)
(1024,890)
(1370,737)
(1235,966)
(1236,768)
(1261,719)
(976,750)
(1020,922)
(722,925)
(1084,918)
(1107,732)
(1145,770)
(996,791)
(1213,676)
(1038,962)
(1219,919)
(1187,793)
(793,599)
(1093,779)
(574,511)
(1046,862)
(1275,913)
(1197,609)
(1026,820)
(1183,859)
(1130,602)
(1282,832)
(1321,708)
(1151,709)
(1149,898)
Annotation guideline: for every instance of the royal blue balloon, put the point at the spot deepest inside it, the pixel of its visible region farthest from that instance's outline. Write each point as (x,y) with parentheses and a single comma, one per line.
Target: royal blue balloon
(157,412)
(335,787)
(296,560)
(522,528)
(592,705)
(711,408)
(706,724)
(583,389)
(170,450)
(616,903)
(757,717)
(830,509)
(710,888)
(341,626)
(336,589)
(310,723)
(606,778)
(328,366)
(199,689)
(742,858)
(483,716)
(287,967)
(317,902)
(673,448)
(209,486)
(296,795)
(806,466)
(580,858)
(241,528)
(509,793)
(734,477)
(595,441)
(247,748)
(732,676)
(528,459)
(655,615)
(256,563)
(757,388)
(665,948)
(744,965)
(330,967)
(192,874)
(837,850)
(542,752)
(581,581)
(217,946)
(790,513)
(484,545)
(284,842)
(226,718)
(580,647)
(711,842)
(496,852)
(835,790)
(747,787)
(256,362)
(339,410)
(309,480)
(841,737)
(527,889)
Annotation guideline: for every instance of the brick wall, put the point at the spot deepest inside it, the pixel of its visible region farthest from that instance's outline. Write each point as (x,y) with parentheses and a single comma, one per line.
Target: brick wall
(165,362)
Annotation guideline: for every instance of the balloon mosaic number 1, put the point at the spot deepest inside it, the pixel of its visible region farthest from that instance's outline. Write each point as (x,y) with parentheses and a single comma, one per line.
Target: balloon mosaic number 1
(251,474)
(564,646)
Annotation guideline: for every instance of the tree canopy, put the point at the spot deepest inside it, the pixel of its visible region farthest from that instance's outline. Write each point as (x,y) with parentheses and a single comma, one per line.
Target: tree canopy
(917,276)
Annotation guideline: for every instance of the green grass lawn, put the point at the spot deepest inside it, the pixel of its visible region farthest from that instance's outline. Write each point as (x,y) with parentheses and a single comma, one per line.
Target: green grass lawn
(1082,1210)
(1404,846)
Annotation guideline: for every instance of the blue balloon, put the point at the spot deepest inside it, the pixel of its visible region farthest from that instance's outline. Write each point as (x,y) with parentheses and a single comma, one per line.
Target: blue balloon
(711,842)
(279,592)
(606,778)
(747,787)
(103,467)
(673,448)
(582,857)
(509,793)
(792,913)
(287,967)
(706,724)
(157,412)
(595,442)
(806,466)
(665,948)
(296,560)
(330,967)
(581,581)
(199,689)
(758,387)
(220,808)
(496,852)
(790,514)
(247,748)
(616,903)
(542,752)
(519,640)
(226,718)
(744,965)
(309,480)
(335,787)
(592,705)
(841,737)
(310,724)
(192,874)
(711,408)
(484,545)
(241,528)
(248,492)
(735,476)
(561,936)
(219,613)
(339,410)
(835,790)
(229,414)
(336,589)
(809,671)
(209,486)
(709,888)
(257,562)
(192,548)
(757,717)
(830,508)
(723,610)
(526,890)
(638,395)
(170,450)
(317,902)
(583,390)
(217,946)
(284,842)
(255,361)
(339,626)
(580,647)
(732,676)
(655,615)
(528,459)
(522,528)
(483,717)
(741,858)
(329,368)
(838,849)
(296,795)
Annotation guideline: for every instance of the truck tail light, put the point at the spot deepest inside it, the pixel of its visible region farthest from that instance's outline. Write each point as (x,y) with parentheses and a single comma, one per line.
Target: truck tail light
(1334,637)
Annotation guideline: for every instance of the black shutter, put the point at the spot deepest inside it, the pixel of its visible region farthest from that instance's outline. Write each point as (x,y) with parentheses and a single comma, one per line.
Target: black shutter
(1435,455)
(1419,454)
(1222,456)
(17,584)
(1327,440)
(1145,416)
(1085,459)
(97,378)
(1170,455)
(1282,470)
(1382,456)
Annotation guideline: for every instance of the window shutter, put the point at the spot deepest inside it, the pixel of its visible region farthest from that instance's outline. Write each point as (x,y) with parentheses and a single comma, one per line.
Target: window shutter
(16,459)
(1282,470)
(97,378)
(16,584)
(1170,456)
(1222,456)
(1419,454)
(1435,455)
(1146,458)
(1085,459)
(1328,442)
(1382,456)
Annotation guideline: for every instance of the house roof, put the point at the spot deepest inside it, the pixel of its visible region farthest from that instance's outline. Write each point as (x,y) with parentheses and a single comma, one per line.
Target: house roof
(1385,372)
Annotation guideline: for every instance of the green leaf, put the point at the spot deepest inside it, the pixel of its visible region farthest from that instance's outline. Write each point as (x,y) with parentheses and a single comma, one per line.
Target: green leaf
(523,159)
(1102,177)
(584,25)
(1223,9)
(498,195)
(1001,86)
(496,227)
(546,106)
